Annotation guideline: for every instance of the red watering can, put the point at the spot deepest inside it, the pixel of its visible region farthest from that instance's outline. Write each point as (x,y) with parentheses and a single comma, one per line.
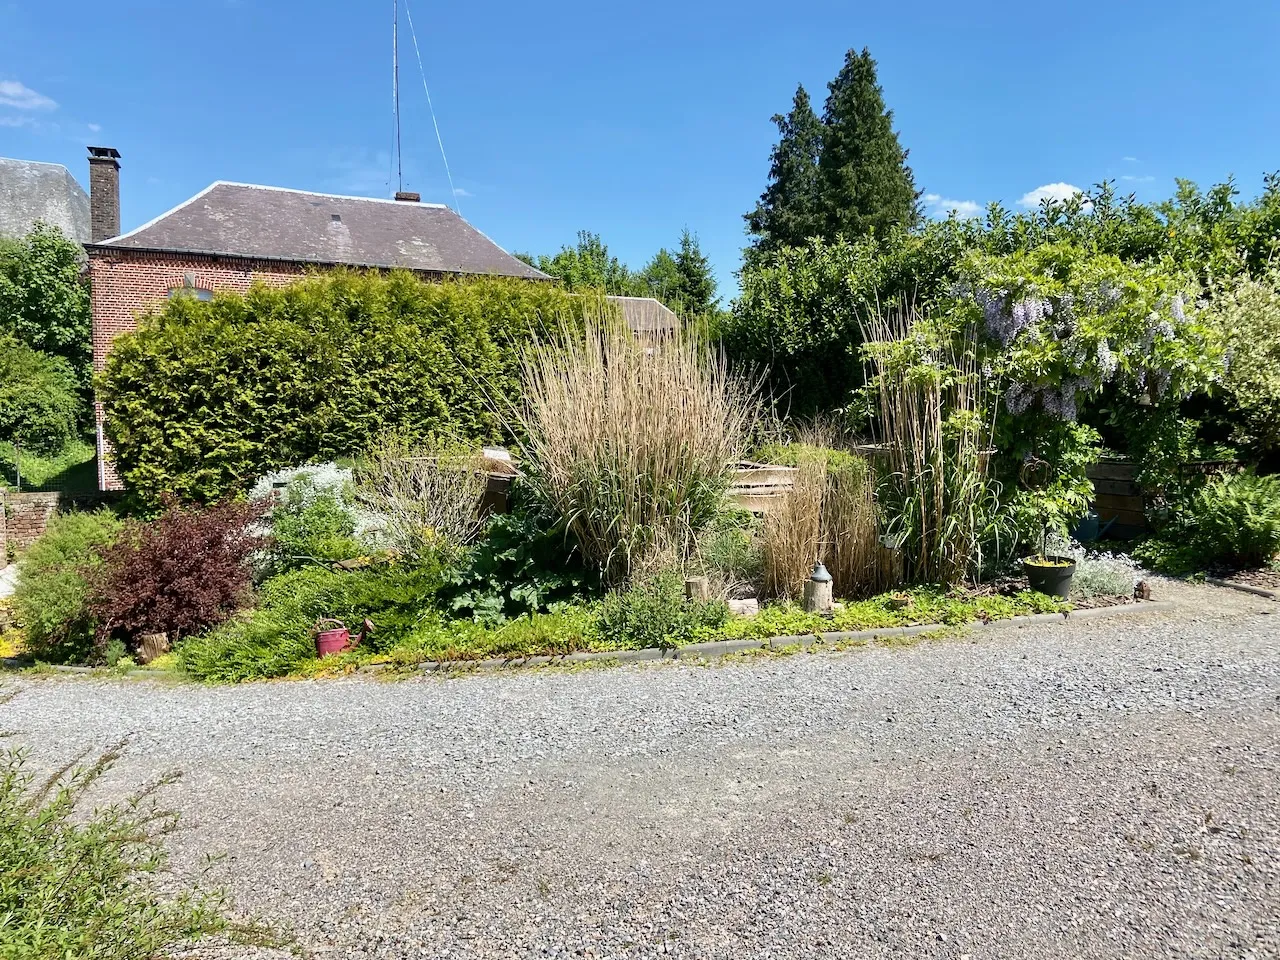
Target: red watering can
(337,638)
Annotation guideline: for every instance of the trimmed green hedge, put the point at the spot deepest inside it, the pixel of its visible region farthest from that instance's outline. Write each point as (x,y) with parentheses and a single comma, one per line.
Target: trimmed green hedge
(204,397)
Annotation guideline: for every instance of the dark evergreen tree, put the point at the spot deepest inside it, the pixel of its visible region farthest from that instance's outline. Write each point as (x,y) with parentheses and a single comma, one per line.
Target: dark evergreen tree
(865,183)
(697,294)
(790,209)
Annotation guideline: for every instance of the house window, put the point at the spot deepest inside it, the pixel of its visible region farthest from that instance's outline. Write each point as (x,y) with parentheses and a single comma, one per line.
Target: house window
(189,289)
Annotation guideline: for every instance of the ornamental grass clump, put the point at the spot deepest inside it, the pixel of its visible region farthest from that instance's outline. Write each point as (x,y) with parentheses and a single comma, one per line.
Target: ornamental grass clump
(630,443)
(791,534)
(937,418)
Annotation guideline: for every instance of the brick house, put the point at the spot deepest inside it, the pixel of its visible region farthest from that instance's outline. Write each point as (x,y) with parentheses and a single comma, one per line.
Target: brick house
(231,235)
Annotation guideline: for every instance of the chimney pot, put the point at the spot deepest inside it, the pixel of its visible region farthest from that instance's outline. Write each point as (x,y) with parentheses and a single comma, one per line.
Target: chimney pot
(104,193)
(405,196)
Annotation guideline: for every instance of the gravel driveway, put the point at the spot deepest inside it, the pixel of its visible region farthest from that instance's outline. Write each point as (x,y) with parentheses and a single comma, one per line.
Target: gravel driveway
(1109,789)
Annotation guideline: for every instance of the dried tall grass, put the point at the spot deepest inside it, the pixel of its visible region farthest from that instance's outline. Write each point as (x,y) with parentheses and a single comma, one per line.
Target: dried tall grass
(938,422)
(631,442)
(850,535)
(426,495)
(791,534)
(829,514)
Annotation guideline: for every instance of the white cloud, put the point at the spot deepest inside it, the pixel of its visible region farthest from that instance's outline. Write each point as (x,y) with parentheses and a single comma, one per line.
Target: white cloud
(15,94)
(1132,179)
(1130,159)
(95,128)
(461,192)
(17,122)
(1050,191)
(936,205)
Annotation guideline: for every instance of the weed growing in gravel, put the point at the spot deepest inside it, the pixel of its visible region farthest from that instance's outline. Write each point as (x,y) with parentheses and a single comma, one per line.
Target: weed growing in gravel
(85,885)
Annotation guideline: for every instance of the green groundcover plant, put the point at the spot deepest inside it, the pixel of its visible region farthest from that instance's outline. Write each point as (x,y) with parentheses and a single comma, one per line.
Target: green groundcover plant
(277,640)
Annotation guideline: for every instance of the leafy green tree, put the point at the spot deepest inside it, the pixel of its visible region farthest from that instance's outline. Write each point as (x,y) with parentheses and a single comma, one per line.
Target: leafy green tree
(661,278)
(44,301)
(790,209)
(866,185)
(39,398)
(697,290)
(589,266)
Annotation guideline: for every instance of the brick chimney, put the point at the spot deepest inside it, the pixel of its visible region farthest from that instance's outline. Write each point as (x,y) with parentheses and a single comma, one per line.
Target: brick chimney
(104,193)
(404,196)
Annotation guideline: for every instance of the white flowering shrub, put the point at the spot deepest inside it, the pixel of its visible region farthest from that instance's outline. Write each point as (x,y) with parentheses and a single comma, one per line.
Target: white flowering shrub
(321,494)
(1248,312)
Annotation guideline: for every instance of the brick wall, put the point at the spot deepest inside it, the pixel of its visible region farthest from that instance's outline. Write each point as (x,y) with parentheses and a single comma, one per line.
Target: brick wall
(24,516)
(127,283)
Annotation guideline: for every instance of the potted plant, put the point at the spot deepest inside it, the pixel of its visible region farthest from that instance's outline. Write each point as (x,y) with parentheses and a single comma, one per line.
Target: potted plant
(1048,573)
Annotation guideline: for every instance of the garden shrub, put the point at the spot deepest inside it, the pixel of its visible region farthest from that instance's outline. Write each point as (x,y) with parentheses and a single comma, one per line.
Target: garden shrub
(278,634)
(428,493)
(81,881)
(185,571)
(53,598)
(206,396)
(1248,312)
(311,522)
(39,398)
(1230,521)
(729,552)
(655,613)
(1236,519)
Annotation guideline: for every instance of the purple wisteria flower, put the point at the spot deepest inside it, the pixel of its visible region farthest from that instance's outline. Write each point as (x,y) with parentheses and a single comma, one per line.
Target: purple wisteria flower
(1107,361)
(1177,308)
(1018,398)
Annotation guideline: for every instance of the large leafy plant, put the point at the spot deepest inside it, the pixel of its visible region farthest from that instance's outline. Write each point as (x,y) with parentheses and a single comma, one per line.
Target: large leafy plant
(54,599)
(526,563)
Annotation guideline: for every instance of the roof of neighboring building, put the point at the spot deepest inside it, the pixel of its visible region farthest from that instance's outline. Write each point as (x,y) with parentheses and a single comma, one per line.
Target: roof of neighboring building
(31,191)
(645,315)
(275,223)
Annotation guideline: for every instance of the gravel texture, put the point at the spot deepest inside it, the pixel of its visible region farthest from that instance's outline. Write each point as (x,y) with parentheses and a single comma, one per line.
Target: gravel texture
(1103,789)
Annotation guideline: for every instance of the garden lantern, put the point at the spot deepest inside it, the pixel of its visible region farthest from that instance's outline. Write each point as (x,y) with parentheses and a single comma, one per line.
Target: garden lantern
(817,590)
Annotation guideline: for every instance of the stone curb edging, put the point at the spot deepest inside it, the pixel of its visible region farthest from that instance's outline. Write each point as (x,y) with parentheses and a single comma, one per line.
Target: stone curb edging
(713,648)
(1243,588)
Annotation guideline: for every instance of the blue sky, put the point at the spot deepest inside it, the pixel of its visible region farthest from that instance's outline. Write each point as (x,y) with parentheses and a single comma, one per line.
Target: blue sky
(634,120)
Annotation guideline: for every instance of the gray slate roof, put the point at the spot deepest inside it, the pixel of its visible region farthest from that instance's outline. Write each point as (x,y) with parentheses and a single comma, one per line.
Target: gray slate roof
(31,191)
(274,223)
(647,316)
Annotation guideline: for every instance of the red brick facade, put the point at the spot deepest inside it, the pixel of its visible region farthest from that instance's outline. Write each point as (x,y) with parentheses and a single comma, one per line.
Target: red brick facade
(127,283)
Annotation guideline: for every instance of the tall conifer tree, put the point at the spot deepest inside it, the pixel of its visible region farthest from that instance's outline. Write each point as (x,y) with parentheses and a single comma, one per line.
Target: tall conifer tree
(790,209)
(865,183)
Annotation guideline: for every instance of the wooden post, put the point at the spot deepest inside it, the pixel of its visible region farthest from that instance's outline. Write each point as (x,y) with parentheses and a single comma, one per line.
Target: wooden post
(697,588)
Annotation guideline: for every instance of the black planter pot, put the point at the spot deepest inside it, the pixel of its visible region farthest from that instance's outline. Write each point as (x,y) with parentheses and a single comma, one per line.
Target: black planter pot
(1051,581)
